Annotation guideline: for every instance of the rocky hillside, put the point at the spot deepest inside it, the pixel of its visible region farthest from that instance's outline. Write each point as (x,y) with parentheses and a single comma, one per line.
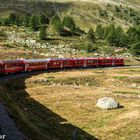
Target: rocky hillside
(86,13)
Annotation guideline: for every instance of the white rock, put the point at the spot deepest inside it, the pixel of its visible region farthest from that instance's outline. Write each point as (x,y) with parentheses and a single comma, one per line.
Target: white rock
(107,103)
(134,85)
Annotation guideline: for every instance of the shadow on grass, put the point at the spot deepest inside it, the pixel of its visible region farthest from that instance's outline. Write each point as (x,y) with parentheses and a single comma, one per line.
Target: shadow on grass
(36,121)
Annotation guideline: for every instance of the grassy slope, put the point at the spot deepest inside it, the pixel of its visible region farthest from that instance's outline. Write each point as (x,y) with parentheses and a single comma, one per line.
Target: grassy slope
(83,12)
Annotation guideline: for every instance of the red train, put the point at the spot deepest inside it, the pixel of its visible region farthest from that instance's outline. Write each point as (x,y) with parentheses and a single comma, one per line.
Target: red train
(13,66)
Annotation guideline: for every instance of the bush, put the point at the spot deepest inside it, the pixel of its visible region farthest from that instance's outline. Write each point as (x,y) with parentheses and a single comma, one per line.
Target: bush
(69,23)
(42,33)
(33,23)
(91,36)
(57,25)
(135,48)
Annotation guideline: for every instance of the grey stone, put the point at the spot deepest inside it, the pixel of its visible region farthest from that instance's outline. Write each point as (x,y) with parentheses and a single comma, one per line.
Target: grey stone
(107,103)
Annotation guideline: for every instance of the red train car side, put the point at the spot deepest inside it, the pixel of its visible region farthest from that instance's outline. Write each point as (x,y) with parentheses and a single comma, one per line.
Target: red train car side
(36,64)
(79,62)
(91,62)
(60,63)
(106,61)
(55,64)
(67,63)
(118,62)
(12,66)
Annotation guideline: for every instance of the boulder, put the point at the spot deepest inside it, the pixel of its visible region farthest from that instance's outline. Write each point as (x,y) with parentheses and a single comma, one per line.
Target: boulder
(134,85)
(107,103)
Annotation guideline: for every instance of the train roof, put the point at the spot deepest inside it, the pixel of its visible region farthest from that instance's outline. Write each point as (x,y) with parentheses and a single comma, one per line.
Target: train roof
(61,59)
(12,61)
(87,58)
(36,60)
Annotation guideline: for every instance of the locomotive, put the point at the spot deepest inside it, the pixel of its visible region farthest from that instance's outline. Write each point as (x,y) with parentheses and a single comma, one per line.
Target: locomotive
(13,66)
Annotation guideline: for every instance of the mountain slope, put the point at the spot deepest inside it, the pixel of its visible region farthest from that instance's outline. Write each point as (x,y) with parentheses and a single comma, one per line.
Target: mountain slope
(86,13)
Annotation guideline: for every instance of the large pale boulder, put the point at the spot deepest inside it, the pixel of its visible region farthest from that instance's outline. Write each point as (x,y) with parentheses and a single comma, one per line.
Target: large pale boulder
(107,103)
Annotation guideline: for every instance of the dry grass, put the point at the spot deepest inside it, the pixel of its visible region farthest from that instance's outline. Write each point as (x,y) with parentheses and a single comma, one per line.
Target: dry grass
(76,103)
(15,53)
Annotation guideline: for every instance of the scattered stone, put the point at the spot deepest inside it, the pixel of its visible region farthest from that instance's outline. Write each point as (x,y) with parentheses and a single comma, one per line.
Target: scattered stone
(107,103)
(134,85)
(138,96)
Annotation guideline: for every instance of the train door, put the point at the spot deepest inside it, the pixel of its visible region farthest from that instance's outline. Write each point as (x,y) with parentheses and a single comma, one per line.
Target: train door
(61,64)
(113,63)
(85,63)
(46,65)
(26,66)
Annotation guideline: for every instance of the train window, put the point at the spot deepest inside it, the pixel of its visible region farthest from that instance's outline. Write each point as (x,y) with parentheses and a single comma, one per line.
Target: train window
(89,61)
(78,62)
(37,64)
(54,63)
(96,61)
(13,65)
(58,62)
(108,61)
(51,63)
(66,62)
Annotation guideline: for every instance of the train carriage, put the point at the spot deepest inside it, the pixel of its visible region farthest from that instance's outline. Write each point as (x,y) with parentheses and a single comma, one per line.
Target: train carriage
(60,63)
(106,61)
(67,63)
(12,66)
(36,64)
(79,62)
(118,61)
(55,64)
(91,62)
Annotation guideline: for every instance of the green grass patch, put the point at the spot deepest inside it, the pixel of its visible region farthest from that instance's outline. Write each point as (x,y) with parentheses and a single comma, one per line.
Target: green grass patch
(120,77)
(89,81)
(126,92)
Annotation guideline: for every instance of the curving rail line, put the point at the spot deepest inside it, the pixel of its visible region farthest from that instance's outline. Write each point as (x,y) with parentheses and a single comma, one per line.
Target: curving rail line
(24,74)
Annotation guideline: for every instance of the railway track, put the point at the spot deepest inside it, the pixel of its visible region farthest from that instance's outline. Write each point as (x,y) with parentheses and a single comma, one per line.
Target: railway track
(25,74)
